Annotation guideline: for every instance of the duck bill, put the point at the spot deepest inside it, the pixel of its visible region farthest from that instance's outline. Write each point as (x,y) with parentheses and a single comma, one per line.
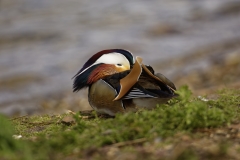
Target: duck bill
(131,79)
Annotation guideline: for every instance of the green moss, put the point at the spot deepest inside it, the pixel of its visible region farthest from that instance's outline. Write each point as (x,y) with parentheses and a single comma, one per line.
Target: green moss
(45,137)
(9,147)
(6,132)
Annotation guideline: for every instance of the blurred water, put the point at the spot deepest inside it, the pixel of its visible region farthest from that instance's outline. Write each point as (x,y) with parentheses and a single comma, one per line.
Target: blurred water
(43,43)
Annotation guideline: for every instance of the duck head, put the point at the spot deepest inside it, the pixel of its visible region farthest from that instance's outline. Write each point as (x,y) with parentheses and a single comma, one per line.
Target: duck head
(101,64)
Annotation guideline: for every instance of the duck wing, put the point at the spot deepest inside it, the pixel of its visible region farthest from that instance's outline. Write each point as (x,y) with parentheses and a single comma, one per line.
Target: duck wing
(136,91)
(145,87)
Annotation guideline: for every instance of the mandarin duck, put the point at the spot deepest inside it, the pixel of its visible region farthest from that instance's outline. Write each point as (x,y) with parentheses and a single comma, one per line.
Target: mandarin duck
(118,83)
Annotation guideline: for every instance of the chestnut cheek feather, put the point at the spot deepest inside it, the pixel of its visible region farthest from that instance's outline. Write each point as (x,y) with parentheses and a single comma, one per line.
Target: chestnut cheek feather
(101,71)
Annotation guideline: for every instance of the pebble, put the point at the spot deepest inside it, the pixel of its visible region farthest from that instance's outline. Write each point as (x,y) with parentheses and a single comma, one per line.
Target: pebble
(220,132)
(68,120)
(17,136)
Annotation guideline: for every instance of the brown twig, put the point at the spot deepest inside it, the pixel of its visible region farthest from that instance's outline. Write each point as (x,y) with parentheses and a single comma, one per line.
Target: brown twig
(132,142)
(18,117)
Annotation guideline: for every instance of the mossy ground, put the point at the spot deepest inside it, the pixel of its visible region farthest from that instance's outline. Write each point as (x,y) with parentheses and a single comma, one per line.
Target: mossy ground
(187,127)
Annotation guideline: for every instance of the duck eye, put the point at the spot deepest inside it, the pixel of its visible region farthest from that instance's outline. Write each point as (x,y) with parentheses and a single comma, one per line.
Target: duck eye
(119,64)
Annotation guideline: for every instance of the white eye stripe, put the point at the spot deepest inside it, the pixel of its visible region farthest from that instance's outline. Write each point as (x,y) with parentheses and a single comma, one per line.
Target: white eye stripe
(110,58)
(113,58)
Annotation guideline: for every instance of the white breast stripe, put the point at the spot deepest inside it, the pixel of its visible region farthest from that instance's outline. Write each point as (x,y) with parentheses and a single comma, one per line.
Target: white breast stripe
(136,93)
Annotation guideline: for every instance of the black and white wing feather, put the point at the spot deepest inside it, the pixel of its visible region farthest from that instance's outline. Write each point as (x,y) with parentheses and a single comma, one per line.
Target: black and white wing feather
(137,93)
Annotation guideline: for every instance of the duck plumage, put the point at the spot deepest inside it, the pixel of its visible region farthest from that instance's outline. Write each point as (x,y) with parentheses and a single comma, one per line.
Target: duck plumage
(114,89)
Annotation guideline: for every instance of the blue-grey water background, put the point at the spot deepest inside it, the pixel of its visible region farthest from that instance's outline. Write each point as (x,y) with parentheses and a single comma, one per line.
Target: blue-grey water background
(43,43)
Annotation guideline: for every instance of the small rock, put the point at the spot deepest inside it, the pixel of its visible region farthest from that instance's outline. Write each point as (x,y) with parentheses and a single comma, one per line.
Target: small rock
(157,140)
(17,136)
(232,58)
(33,138)
(112,152)
(202,98)
(68,120)
(220,132)
(228,136)
(238,135)
(85,117)
(168,147)
(185,138)
(213,149)
(107,132)
(211,135)
(233,130)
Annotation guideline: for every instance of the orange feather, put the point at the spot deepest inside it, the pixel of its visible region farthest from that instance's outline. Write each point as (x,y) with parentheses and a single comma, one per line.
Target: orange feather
(102,71)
